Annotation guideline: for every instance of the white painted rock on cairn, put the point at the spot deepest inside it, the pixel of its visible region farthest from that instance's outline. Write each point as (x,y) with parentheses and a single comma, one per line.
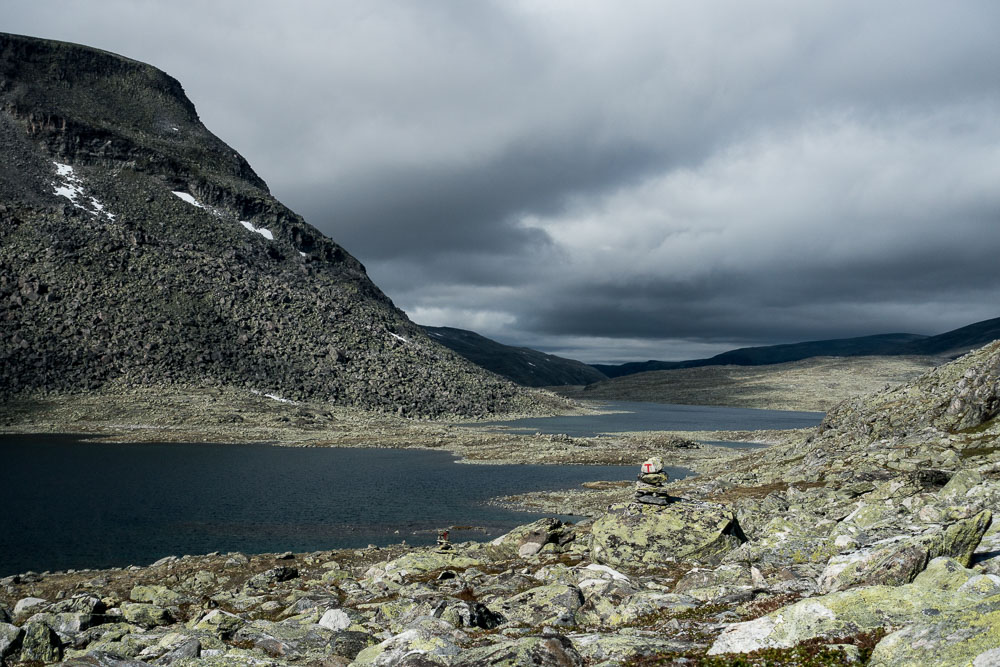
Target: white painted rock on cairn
(649,488)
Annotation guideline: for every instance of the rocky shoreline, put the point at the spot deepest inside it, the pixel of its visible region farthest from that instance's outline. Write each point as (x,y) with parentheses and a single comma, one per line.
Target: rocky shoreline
(868,540)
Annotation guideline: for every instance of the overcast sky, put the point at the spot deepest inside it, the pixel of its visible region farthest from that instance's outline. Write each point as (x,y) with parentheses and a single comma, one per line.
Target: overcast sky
(612,181)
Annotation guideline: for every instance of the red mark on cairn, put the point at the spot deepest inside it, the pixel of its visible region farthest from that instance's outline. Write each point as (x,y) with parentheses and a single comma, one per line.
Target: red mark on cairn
(647,467)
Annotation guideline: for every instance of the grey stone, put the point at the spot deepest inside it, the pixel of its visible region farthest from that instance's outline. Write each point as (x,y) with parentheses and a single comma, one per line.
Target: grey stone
(146,615)
(10,639)
(40,643)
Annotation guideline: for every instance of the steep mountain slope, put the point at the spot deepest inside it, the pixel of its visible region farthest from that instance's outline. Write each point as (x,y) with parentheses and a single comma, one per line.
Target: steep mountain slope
(523,365)
(136,248)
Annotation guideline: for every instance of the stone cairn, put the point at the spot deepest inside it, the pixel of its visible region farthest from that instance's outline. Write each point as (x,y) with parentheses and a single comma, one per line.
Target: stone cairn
(444,541)
(650,487)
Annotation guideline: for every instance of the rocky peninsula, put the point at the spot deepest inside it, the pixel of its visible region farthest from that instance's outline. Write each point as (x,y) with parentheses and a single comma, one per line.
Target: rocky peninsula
(868,540)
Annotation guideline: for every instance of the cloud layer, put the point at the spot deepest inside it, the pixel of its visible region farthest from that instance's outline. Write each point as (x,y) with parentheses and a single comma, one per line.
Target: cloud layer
(612,181)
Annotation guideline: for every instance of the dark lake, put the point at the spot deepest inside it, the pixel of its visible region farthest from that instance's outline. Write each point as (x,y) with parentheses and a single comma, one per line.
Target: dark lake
(71,504)
(635,416)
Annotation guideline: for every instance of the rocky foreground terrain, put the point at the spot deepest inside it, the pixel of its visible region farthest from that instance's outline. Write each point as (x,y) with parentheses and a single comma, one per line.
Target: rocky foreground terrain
(868,540)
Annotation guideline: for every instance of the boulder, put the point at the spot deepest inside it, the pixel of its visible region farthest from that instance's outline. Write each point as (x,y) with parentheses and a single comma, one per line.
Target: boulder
(158,595)
(187,649)
(285,640)
(945,574)
(102,659)
(840,614)
(146,615)
(40,644)
(528,540)
(637,533)
(958,637)
(898,560)
(269,578)
(418,562)
(25,607)
(336,620)
(555,604)
(790,539)
(10,639)
(433,641)
(597,648)
(217,622)
(724,580)
(548,650)
(635,609)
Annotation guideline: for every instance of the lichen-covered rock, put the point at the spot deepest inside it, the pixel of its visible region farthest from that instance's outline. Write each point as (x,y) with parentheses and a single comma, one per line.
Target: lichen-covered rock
(968,636)
(548,650)
(945,574)
(597,648)
(555,604)
(25,607)
(434,641)
(710,584)
(644,606)
(427,561)
(800,537)
(632,534)
(529,539)
(218,622)
(105,659)
(898,560)
(10,639)
(161,596)
(270,578)
(841,614)
(40,643)
(146,615)
(285,640)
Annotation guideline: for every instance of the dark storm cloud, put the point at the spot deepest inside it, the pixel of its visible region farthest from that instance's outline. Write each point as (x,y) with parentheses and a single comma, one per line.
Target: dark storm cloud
(637,179)
(441,210)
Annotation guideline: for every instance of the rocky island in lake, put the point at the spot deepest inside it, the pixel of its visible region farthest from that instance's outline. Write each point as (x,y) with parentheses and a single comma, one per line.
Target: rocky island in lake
(143,299)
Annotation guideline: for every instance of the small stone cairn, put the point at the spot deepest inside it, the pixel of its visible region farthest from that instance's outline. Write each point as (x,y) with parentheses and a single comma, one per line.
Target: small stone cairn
(444,541)
(650,487)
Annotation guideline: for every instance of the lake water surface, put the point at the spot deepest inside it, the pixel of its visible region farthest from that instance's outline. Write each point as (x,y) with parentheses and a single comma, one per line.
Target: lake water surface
(71,504)
(635,416)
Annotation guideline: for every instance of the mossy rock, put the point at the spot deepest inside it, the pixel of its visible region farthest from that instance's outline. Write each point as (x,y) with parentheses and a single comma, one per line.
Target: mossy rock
(898,561)
(635,534)
(420,562)
(841,614)
(968,636)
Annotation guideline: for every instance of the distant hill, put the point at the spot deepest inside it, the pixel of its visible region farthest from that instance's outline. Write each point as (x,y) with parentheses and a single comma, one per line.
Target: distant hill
(523,365)
(815,384)
(950,343)
(138,249)
(957,341)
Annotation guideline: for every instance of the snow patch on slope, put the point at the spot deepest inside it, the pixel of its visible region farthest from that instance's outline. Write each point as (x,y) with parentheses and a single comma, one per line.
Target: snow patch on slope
(70,186)
(266,233)
(188,198)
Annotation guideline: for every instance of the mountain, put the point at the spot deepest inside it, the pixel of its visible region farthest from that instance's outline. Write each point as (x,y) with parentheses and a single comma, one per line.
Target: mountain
(137,248)
(957,341)
(951,343)
(523,365)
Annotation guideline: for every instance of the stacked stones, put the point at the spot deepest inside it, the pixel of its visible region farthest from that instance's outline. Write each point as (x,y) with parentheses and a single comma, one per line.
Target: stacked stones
(650,487)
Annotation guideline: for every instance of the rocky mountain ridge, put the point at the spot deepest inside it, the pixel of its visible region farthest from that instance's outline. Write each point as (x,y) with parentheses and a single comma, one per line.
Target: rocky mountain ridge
(522,365)
(137,248)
